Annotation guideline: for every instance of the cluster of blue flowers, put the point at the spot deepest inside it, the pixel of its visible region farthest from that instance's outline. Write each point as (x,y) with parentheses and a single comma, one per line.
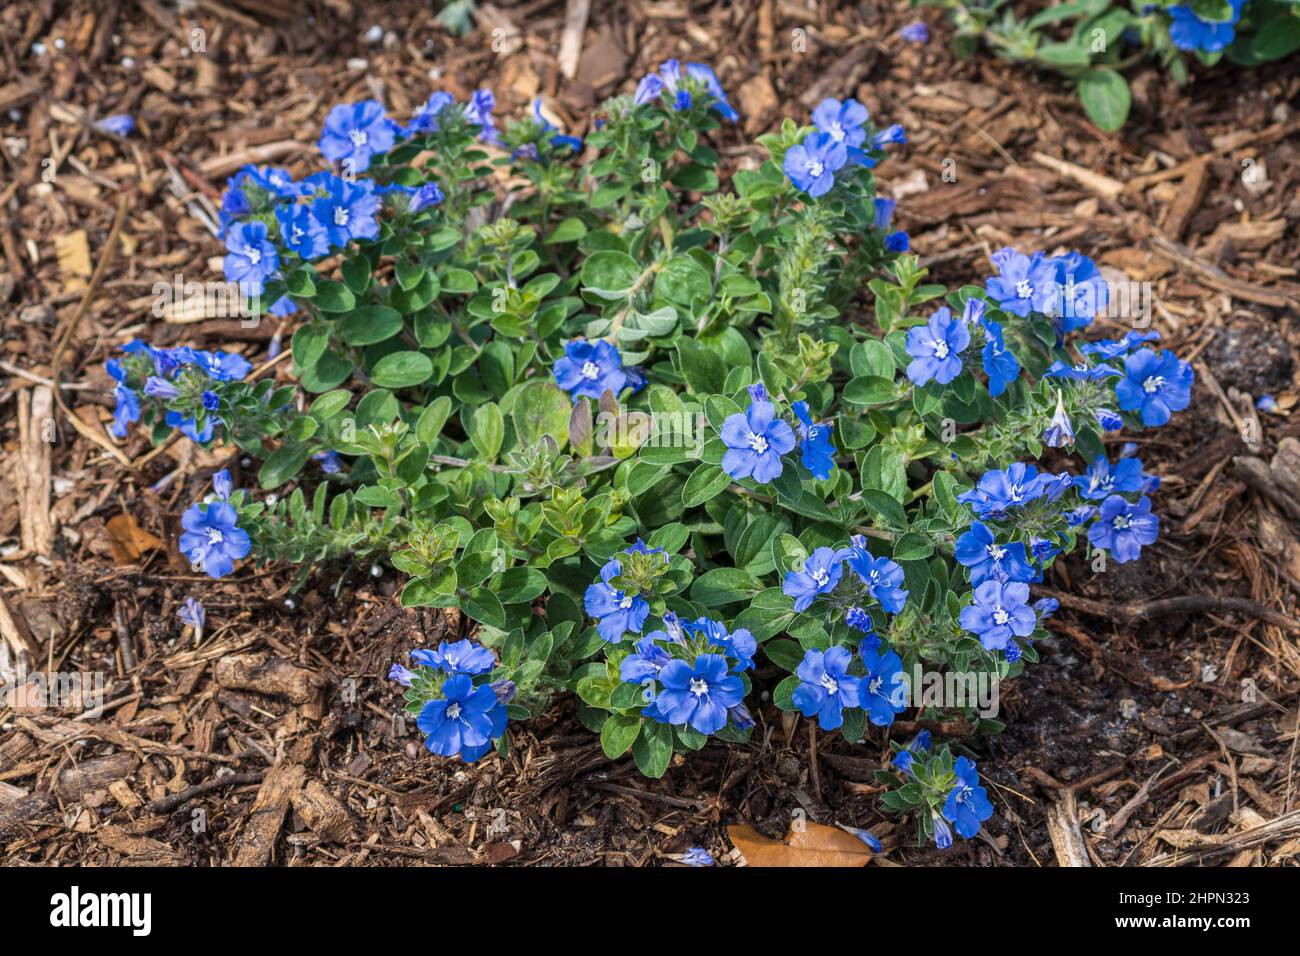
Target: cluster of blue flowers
(878,578)
(185,382)
(590,369)
(757,438)
(458,716)
(830,682)
(690,671)
(841,137)
(685,86)
(212,539)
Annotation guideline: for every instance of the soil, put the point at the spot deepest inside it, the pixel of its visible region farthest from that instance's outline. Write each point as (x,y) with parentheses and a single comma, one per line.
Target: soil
(1148,734)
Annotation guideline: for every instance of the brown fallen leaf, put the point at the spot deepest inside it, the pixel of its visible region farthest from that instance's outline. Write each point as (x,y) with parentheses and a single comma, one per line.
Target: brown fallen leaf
(810,844)
(74,259)
(128,540)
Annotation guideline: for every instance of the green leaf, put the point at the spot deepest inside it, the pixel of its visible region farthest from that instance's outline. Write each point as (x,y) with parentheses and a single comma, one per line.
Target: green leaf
(618,735)
(1106,98)
(487,430)
(485,607)
(723,586)
(701,366)
(541,408)
(370,324)
(402,370)
(706,482)
(653,748)
(610,273)
(571,230)
(334,296)
(282,466)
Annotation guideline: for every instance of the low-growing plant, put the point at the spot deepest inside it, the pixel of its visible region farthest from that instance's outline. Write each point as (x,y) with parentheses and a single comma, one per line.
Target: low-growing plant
(645,431)
(1093,42)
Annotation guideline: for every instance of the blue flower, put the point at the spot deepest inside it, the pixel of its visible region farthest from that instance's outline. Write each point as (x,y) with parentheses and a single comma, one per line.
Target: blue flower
(212,539)
(425,119)
(704,75)
(251,257)
(1000,363)
(219,365)
(1080,372)
(464,721)
(739,644)
(1024,284)
(192,614)
(866,836)
(696,856)
(1109,420)
(646,661)
(402,675)
(348,211)
(883,692)
(915,32)
(897,242)
(119,124)
(355,133)
(1124,528)
(919,745)
(814,443)
(1190,32)
(189,426)
(1107,349)
(999,612)
(1266,404)
(978,550)
(968,804)
(1080,292)
(998,491)
(301,231)
(590,368)
(1059,431)
(427,195)
(812,164)
(826,686)
(552,132)
(617,612)
(892,134)
(1101,481)
(1046,607)
(479,112)
(1080,515)
(740,717)
(699,696)
(330,463)
(156,387)
(842,122)
(755,439)
(1154,385)
(222,486)
(125,411)
(882,576)
(936,348)
(821,572)
(858,619)
(461,657)
(672,78)
(942,833)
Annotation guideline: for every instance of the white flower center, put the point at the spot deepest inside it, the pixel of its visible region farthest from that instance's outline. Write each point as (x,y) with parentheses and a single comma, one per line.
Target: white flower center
(873,688)
(1016,493)
(1000,616)
(996,552)
(1023,289)
(1153,384)
(453,711)
(590,370)
(699,686)
(829,682)
(254,255)
(836,132)
(625,603)
(758,443)
(340,216)
(1121,522)
(297,235)
(940,348)
(215,537)
(821,577)
(815,168)
(358,137)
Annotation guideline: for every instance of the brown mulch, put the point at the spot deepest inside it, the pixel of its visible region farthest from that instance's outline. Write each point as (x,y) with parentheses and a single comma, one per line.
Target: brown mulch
(1154,731)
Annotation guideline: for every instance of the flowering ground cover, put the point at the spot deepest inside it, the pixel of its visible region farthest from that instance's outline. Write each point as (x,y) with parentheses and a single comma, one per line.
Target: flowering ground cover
(948,381)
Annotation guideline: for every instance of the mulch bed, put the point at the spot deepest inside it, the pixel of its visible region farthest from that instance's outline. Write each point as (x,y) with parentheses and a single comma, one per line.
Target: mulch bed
(1154,731)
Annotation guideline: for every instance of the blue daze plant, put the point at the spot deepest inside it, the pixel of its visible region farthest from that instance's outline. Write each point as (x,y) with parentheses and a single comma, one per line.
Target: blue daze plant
(1093,42)
(660,442)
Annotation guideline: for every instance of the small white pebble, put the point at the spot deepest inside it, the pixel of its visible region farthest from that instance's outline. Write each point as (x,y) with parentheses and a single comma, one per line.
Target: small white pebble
(58,43)
(374,34)
(376,571)
(290,603)
(128,63)
(38,49)
(358,65)
(1209,673)
(1128,708)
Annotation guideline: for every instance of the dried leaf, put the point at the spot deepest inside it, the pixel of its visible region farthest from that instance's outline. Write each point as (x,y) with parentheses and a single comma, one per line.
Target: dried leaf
(74,259)
(807,844)
(128,540)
